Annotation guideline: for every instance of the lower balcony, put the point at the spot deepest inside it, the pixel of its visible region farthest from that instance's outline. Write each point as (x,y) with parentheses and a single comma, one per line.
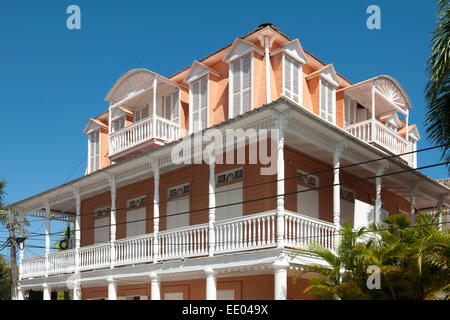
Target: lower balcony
(252,232)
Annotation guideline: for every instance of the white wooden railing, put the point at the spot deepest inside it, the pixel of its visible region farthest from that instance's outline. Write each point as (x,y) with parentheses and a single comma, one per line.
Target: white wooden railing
(61,262)
(134,250)
(380,134)
(183,242)
(142,131)
(95,256)
(256,231)
(300,230)
(33,267)
(245,233)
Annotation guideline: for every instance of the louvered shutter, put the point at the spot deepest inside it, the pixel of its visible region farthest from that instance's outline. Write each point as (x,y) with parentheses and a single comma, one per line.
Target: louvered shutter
(204,102)
(287,76)
(246,83)
(323,99)
(195,105)
(296,81)
(236,74)
(330,99)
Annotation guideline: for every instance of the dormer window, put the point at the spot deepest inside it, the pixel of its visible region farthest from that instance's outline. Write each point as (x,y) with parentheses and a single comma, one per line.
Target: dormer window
(327,101)
(241,85)
(94,151)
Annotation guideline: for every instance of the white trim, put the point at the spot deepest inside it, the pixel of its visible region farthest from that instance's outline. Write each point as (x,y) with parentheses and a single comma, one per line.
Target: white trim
(240,48)
(293,49)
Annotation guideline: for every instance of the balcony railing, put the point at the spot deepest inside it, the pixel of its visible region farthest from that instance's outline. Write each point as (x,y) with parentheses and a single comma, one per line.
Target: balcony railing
(381,135)
(142,131)
(238,234)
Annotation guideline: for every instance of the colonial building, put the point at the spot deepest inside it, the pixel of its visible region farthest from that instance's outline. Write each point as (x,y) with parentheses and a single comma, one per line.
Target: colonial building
(149,227)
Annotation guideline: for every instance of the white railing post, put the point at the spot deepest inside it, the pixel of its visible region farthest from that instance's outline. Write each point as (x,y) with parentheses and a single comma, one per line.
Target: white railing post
(155,169)
(112,227)
(47,236)
(373,133)
(112,289)
(154,106)
(336,184)
(76,294)
(212,204)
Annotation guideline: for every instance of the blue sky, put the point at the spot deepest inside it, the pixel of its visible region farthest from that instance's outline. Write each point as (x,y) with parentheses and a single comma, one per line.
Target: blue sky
(54,79)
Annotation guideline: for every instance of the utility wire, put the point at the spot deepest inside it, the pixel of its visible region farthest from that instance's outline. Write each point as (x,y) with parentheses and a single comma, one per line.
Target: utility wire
(259,199)
(274,181)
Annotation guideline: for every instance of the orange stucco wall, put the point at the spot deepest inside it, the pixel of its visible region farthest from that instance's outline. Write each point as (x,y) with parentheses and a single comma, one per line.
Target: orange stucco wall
(254,287)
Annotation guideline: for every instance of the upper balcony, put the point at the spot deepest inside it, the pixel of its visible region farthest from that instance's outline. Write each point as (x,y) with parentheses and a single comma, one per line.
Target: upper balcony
(144,113)
(371,111)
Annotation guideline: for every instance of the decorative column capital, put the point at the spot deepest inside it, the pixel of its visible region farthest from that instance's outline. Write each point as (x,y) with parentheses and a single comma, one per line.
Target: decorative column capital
(281,119)
(280,265)
(340,148)
(210,272)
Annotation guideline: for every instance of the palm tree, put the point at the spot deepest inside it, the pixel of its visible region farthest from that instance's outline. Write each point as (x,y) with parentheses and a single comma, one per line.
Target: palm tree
(413,259)
(437,91)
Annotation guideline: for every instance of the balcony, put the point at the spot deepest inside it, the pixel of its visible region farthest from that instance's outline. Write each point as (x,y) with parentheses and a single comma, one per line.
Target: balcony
(381,136)
(252,232)
(153,127)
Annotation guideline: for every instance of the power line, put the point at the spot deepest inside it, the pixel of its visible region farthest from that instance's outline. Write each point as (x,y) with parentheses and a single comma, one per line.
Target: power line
(260,199)
(275,181)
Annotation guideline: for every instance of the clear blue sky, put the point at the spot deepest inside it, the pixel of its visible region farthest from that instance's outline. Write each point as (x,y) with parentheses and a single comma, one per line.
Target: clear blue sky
(54,79)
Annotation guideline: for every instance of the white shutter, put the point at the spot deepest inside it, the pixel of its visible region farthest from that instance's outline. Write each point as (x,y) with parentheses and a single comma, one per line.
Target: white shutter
(178,213)
(246,83)
(195,105)
(329,102)
(287,76)
(228,194)
(135,222)
(204,102)
(347,211)
(236,74)
(101,233)
(296,81)
(94,151)
(308,202)
(323,99)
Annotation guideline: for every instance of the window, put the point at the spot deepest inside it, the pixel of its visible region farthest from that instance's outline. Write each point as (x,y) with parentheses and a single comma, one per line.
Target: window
(199,94)
(101,231)
(226,294)
(94,151)
(307,200)
(136,218)
(347,205)
(171,107)
(178,207)
(140,114)
(173,296)
(350,111)
(291,78)
(327,100)
(118,124)
(229,191)
(241,85)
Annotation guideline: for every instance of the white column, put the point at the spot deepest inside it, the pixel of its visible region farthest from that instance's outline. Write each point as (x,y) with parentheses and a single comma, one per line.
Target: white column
(76,291)
(378,200)
(112,227)
(22,235)
(154,106)
(20,293)
(47,236)
(155,287)
(212,204)
(336,190)
(267,57)
(372,136)
(47,293)
(155,210)
(412,202)
(280,279)
(211,291)
(77,227)
(112,289)
(439,208)
(280,182)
